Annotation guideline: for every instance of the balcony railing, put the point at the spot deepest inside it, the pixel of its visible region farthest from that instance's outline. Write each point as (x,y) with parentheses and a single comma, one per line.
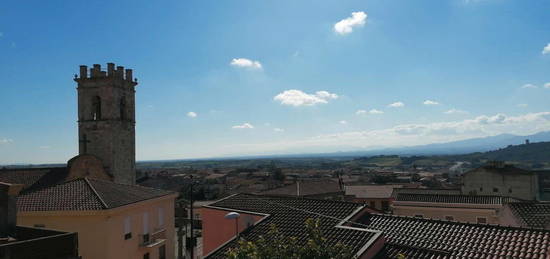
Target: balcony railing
(152,239)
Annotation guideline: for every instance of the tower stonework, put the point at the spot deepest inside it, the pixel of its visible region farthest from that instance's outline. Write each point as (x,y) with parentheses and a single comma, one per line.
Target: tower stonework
(106,119)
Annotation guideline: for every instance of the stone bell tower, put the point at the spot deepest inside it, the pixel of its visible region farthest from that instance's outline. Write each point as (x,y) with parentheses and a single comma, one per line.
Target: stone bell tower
(106,119)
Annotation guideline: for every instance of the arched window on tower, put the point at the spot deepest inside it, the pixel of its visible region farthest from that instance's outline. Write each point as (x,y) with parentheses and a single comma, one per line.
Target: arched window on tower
(123,108)
(96,108)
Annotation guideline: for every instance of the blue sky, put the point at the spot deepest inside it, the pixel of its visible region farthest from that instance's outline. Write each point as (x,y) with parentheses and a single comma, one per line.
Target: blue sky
(275,77)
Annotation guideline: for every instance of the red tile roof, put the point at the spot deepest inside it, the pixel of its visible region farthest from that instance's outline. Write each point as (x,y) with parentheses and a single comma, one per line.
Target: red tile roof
(449,198)
(289,215)
(535,215)
(370,191)
(306,188)
(85,194)
(462,240)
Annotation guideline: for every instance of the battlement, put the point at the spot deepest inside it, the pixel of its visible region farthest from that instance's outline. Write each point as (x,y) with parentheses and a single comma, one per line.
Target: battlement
(96,72)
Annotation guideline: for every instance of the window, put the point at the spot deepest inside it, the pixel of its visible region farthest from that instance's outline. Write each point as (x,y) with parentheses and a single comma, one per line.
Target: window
(146,256)
(39,225)
(481,220)
(510,190)
(480,189)
(449,218)
(385,205)
(495,189)
(96,108)
(162,252)
(127,228)
(161,217)
(123,108)
(145,223)
(419,216)
(373,204)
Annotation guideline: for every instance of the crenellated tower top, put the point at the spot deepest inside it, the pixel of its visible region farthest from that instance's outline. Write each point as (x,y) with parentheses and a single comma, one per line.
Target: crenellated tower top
(95,73)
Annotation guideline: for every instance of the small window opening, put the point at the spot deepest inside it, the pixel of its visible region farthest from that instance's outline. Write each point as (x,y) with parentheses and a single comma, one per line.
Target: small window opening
(96,108)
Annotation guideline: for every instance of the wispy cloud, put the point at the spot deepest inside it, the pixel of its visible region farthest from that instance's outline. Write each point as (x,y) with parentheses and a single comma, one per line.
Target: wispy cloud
(192,114)
(278,130)
(375,111)
(522,105)
(245,125)
(360,112)
(455,111)
(246,63)
(529,86)
(5,140)
(298,98)
(412,134)
(546,49)
(396,105)
(547,85)
(345,26)
(430,102)
(343,122)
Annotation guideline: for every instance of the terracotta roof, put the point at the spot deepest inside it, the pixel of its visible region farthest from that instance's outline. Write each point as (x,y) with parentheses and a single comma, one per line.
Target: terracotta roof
(534,215)
(289,215)
(370,191)
(424,191)
(34,178)
(85,194)
(462,240)
(441,198)
(393,251)
(307,188)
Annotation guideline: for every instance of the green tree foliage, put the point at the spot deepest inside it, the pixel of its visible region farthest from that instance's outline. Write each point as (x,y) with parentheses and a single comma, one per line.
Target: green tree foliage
(279,246)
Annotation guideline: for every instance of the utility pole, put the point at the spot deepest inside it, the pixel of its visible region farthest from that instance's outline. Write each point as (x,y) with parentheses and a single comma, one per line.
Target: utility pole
(192,241)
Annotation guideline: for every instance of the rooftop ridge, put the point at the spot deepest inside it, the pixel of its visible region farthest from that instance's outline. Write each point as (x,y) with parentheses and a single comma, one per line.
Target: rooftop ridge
(129,185)
(295,197)
(461,223)
(96,193)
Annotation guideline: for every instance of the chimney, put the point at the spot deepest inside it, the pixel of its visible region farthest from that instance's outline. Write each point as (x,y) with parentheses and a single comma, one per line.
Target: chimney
(8,208)
(298,188)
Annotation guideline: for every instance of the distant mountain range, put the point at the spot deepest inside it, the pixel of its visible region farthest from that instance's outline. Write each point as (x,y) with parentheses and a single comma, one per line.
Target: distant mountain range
(449,148)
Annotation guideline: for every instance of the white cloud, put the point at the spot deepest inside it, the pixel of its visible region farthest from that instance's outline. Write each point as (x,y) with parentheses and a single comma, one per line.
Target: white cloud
(346,26)
(360,112)
(430,102)
(522,105)
(528,86)
(343,122)
(547,85)
(245,125)
(192,114)
(375,111)
(278,130)
(455,111)
(396,105)
(246,63)
(409,134)
(546,49)
(298,98)
(5,140)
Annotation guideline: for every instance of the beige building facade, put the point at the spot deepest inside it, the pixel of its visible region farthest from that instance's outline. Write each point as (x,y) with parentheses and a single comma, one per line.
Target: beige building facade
(499,179)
